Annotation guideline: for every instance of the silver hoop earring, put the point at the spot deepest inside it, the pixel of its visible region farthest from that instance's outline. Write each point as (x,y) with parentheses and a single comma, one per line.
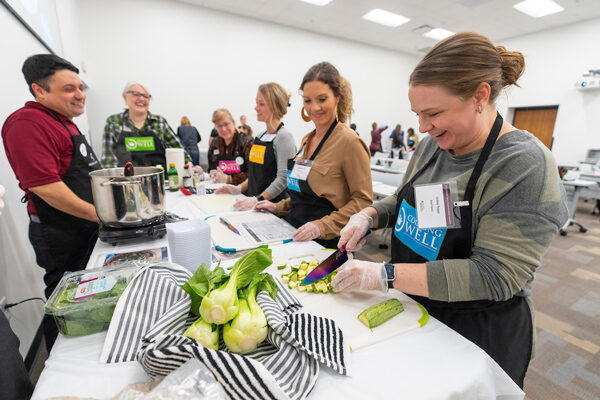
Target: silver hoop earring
(479,109)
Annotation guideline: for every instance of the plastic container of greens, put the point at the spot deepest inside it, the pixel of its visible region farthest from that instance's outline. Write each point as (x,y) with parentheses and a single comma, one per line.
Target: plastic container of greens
(84,301)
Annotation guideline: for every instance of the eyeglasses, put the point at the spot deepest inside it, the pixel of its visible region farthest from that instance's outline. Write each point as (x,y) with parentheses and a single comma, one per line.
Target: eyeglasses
(223,125)
(138,95)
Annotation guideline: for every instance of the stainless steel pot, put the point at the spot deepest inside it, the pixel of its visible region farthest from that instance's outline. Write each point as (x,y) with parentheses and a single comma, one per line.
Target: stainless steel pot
(129,201)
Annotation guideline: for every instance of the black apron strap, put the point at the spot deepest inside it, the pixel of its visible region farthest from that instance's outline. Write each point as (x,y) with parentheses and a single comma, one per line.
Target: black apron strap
(327,134)
(467,217)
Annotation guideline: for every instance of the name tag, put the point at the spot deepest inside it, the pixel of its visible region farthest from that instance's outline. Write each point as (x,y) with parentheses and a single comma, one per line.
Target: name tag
(437,205)
(292,183)
(301,169)
(145,143)
(425,242)
(229,167)
(257,154)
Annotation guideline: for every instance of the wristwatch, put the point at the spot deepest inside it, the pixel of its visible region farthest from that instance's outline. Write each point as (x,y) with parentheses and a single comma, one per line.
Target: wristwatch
(260,197)
(390,272)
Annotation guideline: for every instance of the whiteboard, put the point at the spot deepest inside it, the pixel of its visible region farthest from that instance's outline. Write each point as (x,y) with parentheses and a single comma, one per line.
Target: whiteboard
(42,17)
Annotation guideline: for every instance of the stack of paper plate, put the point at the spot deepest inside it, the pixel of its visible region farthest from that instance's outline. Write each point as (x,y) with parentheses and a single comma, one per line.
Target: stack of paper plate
(190,243)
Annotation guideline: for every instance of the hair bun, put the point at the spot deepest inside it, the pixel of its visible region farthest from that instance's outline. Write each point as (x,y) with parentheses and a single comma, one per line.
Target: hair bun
(513,65)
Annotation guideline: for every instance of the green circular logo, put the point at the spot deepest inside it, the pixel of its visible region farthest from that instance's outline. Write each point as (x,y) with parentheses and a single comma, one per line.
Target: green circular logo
(131,144)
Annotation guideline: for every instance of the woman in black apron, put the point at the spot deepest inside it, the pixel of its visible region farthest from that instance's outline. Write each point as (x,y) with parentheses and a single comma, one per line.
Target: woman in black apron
(328,103)
(265,181)
(462,119)
(228,155)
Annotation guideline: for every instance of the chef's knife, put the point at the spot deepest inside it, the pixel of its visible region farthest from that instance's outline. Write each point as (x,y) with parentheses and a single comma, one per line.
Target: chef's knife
(330,264)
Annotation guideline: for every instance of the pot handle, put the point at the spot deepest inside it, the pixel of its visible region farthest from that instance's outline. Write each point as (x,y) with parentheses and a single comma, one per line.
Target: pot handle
(121,183)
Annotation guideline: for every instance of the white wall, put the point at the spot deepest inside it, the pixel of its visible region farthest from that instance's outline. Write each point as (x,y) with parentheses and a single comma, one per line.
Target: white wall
(555,60)
(20,277)
(194,60)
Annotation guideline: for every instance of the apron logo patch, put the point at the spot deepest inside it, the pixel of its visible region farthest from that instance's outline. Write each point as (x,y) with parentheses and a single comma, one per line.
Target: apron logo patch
(229,167)
(292,183)
(425,242)
(83,150)
(145,143)
(257,154)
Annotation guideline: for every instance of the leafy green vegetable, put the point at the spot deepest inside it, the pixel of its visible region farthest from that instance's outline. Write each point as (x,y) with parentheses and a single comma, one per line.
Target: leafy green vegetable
(221,305)
(86,316)
(206,334)
(249,327)
(202,282)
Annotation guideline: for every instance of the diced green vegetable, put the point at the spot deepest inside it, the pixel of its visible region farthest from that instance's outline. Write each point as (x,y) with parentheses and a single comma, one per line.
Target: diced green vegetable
(297,274)
(380,313)
(281,266)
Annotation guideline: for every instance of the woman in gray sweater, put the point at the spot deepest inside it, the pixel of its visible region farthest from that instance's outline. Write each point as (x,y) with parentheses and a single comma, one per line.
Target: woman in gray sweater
(472,269)
(267,168)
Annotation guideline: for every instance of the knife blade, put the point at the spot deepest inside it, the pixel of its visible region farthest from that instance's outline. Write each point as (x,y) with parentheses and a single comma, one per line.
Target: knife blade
(330,264)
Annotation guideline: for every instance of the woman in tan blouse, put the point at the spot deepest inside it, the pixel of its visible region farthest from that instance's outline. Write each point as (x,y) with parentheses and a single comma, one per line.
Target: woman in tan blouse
(330,177)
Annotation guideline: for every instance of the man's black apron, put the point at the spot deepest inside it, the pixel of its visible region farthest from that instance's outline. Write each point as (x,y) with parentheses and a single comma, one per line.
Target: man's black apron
(66,241)
(305,205)
(141,148)
(502,328)
(262,168)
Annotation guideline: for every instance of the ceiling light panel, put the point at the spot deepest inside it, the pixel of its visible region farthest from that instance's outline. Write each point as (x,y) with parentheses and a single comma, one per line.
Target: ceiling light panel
(538,8)
(386,18)
(317,2)
(438,34)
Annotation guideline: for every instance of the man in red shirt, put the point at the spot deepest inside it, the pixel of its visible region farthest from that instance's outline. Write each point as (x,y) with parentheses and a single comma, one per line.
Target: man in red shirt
(52,160)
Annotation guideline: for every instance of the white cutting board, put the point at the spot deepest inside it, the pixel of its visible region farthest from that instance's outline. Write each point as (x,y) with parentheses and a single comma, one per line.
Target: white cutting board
(344,308)
(214,203)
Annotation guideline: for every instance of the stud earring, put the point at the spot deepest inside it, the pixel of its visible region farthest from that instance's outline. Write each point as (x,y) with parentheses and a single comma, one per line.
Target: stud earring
(304,116)
(479,109)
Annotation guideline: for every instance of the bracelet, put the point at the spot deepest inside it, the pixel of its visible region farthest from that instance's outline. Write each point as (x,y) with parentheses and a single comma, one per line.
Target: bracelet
(260,197)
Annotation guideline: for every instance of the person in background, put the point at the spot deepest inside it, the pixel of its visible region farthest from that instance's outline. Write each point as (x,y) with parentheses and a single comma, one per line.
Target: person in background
(375,145)
(213,135)
(190,138)
(397,138)
(16,383)
(136,135)
(52,161)
(412,139)
(229,154)
(475,277)
(329,179)
(267,169)
(244,127)
(353,127)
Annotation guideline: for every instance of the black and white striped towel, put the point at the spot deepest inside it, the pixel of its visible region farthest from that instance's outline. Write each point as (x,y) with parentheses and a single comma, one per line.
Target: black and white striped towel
(153,313)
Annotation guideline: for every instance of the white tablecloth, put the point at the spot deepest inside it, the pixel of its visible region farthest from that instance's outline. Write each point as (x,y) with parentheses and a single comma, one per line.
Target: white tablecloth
(432,362)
